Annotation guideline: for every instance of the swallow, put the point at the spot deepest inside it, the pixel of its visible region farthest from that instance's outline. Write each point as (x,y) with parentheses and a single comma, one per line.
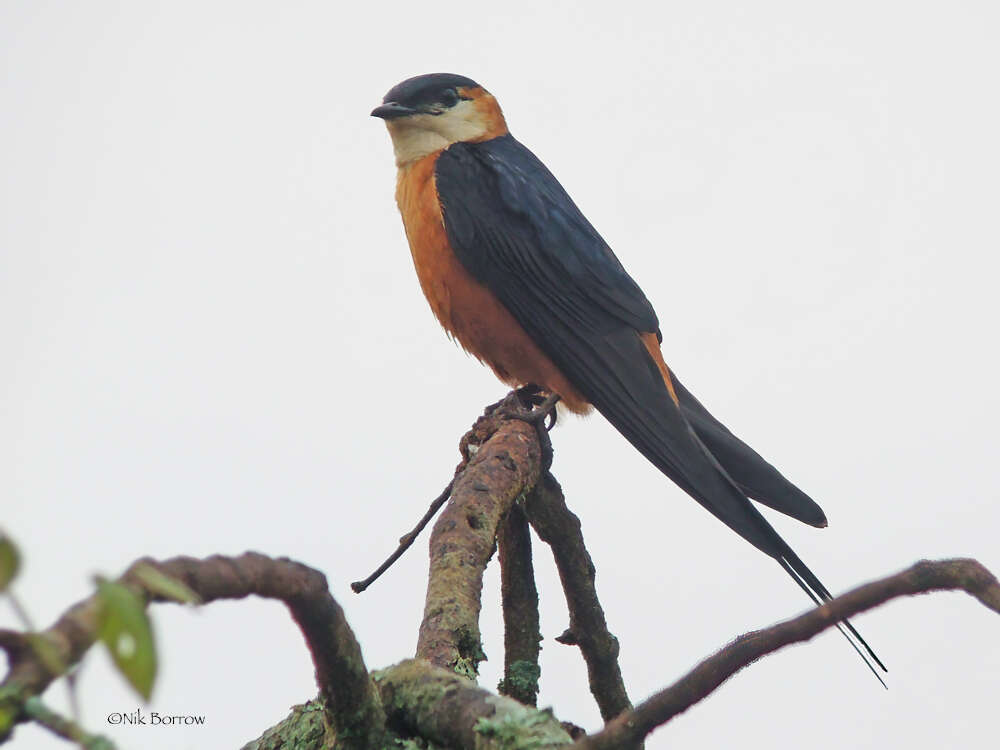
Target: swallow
(517,275)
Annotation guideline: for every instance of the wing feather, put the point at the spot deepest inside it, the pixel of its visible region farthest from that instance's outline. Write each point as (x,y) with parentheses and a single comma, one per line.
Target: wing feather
(516,231)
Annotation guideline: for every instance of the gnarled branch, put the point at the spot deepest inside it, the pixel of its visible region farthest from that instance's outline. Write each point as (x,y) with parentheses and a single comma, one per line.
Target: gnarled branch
(505,463)
(444,708)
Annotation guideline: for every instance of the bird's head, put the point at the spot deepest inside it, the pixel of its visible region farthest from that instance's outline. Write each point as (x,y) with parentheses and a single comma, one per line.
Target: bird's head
(430,112)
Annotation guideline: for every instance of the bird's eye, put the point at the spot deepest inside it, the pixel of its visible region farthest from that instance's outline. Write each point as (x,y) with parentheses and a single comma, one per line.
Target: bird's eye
(449,97)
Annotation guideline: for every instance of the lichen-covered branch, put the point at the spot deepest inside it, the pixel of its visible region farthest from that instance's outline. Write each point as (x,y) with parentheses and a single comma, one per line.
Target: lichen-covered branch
(924,577)
(560,529)
(303,729)
(444,708)
(505,463)
(352,703)
(519,598)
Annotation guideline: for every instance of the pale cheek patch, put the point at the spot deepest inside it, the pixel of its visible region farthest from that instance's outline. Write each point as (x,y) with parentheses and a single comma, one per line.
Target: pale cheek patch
(419,135)
(411,142)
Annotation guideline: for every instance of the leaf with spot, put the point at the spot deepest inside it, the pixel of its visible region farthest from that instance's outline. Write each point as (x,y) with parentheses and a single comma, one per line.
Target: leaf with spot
(124,628)
(10,561)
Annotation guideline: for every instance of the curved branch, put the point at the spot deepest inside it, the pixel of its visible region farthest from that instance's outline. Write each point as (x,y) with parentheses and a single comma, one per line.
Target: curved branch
(505,465)
(924,577)
(352,703)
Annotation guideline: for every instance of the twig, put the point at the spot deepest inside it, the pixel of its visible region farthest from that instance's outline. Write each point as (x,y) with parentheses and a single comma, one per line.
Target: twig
(19,611)
(63,727)
(484,427)
(406,540)
(922,578)
(560,529)
(519,597)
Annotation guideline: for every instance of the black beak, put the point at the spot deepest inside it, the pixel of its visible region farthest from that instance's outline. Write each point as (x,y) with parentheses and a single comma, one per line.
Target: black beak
(392,111)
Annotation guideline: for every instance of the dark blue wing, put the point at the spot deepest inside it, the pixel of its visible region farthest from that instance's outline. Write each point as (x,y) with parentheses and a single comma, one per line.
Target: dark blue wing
(516,231)
(513,194)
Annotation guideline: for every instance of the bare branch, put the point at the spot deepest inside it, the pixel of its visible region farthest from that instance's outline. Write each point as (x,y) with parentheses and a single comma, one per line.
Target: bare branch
(924,577)
(560,528)
(505,465)
(519,596)
(351,700)
(405,541)
(449,710)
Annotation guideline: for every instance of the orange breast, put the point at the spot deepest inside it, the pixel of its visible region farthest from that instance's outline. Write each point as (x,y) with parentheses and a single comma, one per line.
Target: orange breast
(466,308)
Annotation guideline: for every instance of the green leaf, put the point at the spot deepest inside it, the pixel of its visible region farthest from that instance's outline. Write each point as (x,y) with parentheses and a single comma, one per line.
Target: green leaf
(160,584)
(10,561)
(47,653)
(125,629)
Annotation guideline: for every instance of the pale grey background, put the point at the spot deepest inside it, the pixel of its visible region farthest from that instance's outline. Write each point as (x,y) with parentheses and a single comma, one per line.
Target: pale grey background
(213,339)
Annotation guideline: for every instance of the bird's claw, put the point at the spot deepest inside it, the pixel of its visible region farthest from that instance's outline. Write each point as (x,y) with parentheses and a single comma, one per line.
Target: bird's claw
(530,405)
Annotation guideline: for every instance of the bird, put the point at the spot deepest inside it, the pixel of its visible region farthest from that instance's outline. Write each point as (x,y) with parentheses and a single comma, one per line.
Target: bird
(514,272)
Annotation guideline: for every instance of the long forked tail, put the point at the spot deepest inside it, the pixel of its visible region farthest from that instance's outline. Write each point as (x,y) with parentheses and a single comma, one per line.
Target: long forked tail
(639,401)
(768,540)
(816,591)
(757,478)
(679,436)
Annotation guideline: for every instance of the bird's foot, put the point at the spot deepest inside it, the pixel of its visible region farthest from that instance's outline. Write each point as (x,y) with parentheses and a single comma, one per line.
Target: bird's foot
(533,405)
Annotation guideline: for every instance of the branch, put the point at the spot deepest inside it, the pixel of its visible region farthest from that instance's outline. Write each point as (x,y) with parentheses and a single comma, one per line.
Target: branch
(588,629)
(506,464)
(352,703)
(449,710)
(924,577)
(519,597)
(63,727)
(303,729)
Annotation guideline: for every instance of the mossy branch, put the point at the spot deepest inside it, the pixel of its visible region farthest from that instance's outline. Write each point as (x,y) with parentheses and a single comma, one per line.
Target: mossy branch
(504,461)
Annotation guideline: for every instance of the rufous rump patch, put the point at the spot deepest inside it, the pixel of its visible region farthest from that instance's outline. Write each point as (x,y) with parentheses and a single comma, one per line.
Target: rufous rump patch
(653,347)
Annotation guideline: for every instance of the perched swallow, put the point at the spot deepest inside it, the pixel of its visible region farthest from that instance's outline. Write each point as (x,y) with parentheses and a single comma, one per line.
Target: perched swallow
(515,272)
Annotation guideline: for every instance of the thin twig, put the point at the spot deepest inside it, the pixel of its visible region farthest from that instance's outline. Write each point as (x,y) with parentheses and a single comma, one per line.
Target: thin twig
(922,578)
(26,621)
(406,540)
(63,727)
(19,611)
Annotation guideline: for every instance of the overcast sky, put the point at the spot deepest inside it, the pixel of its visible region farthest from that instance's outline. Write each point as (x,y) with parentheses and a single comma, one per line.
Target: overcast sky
(213,339)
